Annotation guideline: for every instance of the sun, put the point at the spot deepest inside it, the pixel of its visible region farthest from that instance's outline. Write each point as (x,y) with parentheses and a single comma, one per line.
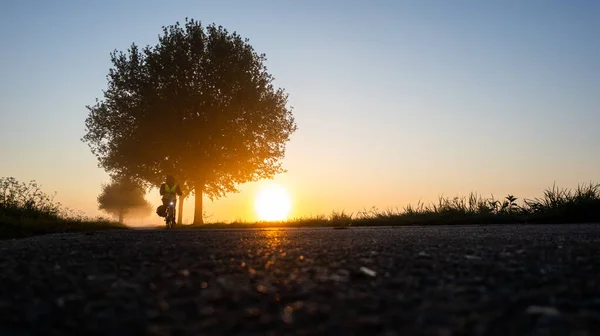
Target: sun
(272,203)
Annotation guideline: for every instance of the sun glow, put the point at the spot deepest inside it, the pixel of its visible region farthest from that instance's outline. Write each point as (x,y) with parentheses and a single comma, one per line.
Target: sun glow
(272,203)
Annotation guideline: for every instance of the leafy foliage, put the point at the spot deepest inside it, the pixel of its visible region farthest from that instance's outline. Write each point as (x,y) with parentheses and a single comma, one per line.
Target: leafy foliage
(120,197)
(26,210)
(25,199)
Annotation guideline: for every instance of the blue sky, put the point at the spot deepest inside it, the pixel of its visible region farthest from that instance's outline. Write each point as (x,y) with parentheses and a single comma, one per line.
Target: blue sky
(395,101)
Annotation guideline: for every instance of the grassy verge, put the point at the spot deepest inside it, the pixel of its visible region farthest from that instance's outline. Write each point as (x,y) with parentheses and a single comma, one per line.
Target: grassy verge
(26,211)
(556,205)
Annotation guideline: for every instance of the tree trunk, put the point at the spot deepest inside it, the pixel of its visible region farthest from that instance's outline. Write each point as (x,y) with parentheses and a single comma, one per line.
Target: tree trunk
(180,210)
(198,204)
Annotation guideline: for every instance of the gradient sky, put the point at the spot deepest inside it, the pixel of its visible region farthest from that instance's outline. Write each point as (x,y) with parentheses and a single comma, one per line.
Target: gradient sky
(395,101)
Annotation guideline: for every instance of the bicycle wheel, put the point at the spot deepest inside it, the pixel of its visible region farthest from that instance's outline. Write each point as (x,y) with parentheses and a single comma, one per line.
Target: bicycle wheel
(171,220)
(168,219)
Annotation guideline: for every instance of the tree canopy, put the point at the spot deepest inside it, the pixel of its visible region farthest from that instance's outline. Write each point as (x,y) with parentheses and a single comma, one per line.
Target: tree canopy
(199,105)
(122,197)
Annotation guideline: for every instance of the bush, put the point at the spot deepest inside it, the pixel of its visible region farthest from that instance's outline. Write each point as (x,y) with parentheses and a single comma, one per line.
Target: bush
(18,200)
(26,210)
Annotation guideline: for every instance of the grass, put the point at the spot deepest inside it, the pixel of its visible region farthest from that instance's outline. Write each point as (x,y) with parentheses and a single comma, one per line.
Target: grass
(26,211)
(556,205)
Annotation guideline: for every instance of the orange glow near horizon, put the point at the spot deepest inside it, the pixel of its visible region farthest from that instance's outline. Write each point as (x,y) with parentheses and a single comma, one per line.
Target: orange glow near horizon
(272,203)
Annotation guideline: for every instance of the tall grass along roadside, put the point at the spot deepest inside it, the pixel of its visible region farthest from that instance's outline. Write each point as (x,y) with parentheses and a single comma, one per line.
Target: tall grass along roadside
(26,210)
(556,205)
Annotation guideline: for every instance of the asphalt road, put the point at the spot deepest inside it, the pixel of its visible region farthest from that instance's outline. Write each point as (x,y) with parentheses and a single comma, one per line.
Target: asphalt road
(501,280)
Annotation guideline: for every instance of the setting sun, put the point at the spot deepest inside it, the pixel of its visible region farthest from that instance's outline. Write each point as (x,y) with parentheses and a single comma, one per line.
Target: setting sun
(272,203)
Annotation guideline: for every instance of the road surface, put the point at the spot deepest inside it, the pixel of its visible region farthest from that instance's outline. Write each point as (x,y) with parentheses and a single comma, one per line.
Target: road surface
(468,280)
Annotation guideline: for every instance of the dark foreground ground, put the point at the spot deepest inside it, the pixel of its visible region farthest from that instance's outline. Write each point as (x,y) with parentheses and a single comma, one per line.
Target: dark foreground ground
(504,280)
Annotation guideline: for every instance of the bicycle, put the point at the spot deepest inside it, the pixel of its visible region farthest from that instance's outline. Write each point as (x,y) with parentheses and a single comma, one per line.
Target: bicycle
(170,215)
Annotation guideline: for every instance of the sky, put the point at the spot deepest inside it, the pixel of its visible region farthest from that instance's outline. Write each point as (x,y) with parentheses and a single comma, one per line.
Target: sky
(395,101)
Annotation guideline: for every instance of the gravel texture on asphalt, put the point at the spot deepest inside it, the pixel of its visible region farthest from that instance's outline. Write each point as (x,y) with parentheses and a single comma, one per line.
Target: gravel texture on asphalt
(459,280)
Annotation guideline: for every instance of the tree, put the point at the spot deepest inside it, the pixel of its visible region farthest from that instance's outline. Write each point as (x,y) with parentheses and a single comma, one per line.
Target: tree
(122,197)
(185,191)
(199,105)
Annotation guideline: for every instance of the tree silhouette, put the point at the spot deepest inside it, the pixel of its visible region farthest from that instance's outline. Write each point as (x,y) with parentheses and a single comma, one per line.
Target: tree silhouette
(185,193)
(122,197)
(200,105)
